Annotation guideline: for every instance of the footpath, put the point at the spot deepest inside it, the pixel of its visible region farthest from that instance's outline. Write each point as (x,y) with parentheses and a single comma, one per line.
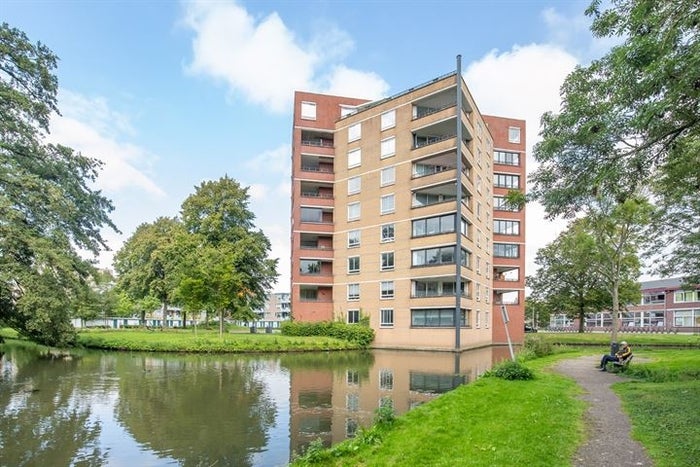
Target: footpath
(608,428)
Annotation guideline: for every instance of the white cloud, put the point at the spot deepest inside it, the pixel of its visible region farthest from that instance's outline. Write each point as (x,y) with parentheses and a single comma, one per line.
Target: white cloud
(343,81)
(263,60)
(278,160)
(573,33)
(523,83)
(91,127)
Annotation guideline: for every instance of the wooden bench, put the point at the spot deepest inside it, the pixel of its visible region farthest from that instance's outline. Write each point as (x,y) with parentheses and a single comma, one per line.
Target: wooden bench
(622,366)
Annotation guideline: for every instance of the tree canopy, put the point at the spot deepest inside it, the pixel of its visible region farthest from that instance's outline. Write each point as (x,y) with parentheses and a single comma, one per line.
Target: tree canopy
(211,259)
(49,209)
(630,123)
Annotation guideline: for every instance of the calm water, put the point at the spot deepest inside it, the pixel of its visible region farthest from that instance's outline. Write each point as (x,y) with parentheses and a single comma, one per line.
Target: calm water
(140,409)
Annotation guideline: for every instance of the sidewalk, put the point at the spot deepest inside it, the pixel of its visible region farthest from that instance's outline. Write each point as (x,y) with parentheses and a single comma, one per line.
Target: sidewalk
(608,427)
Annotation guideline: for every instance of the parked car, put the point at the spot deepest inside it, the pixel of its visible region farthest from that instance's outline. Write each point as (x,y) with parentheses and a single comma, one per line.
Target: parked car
(529,328)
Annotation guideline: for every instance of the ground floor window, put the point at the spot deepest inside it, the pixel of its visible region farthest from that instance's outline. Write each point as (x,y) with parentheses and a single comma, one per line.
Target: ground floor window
(353,316)
(386,317)
(686,318)
(436,317)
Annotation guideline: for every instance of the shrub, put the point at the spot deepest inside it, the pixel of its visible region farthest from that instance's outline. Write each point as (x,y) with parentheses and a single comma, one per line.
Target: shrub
(538,346)
(511,370)
(357,333)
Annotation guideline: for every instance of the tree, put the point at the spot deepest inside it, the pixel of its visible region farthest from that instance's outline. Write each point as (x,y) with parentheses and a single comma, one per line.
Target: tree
(620,231)
(566,281)
(48,210)
(630,118)
(147,264)
(231,260)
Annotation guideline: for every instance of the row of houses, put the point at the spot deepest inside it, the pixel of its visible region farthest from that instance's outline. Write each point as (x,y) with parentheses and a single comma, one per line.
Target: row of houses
(665,307)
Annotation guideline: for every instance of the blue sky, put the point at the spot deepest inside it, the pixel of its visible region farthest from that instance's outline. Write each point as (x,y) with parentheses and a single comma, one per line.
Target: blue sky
(169,94)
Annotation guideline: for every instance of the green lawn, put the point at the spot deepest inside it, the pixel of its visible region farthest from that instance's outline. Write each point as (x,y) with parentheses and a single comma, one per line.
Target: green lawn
(205,340)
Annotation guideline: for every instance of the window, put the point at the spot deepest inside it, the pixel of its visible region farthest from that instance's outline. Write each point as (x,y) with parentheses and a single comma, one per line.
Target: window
(436,256)
(422,288)
(387,204)
(387,261)
(654,297)
(388,176)
(308,295)
(478,210)
(387,233)
(353,316)
(354,132)
(436,317)
(353,238)
(506,158)
(684,296)
(477,324)
(388,148)
(386,289)
(309,267)
(506,181)
(477,292)
(354,158)
(386,379)
(686,318)
(387,402)
(308,110)
(346,110)
(386,317)
(501,204)
(478,264)
(352,377)
(388,119)
(314,215)
(513,134)
(506,227)
(353,264)
(354,185)
(353,211)
(433,225)
(426,199)
(353,402)
(487,294)
(506,250)
(353,294)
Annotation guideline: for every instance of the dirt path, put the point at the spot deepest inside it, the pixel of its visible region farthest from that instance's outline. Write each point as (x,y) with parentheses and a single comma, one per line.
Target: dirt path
(609,442)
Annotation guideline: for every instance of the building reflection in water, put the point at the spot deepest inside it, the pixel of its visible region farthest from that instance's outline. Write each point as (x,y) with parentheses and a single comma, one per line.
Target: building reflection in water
(331,402)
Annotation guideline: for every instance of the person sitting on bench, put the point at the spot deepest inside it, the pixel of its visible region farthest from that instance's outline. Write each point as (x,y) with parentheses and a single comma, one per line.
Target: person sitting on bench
(620,356)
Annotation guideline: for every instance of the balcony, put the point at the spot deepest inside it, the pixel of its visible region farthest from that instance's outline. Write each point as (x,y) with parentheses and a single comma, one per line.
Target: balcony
(316,167)
(318,139)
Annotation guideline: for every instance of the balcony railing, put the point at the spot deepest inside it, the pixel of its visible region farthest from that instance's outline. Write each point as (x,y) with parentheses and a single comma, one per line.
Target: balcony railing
(315,194)
(422,111)
(318,142)
(315,300)
(438,294)
(428,140)
(310,168)
(316,247)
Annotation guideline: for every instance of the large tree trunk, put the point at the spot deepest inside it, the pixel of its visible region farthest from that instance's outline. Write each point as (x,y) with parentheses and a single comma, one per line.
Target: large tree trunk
(615,312)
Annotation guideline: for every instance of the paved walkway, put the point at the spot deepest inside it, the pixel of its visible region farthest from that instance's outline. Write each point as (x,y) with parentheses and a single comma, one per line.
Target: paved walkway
(609,442)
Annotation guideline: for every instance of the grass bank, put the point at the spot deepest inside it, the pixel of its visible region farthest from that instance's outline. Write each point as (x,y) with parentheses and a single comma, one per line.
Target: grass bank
(635,339)
(537,422)
(488,422)
(205,340)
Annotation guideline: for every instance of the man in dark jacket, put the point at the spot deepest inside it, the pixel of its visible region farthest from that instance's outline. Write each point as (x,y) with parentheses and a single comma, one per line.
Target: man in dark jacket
(620,356)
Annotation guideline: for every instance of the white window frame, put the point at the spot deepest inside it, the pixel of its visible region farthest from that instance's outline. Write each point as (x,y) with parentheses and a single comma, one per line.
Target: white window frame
(388,147)
(388,120)
(355,314)
(353,292)
(354,158)
(390,198)
(354,238)
(385,313)
(387,267)
(382,239)
(308,110)
(354,132)
(353,269)
(354,211)
(354,185)
(389,292)
(514,134)
(387,176)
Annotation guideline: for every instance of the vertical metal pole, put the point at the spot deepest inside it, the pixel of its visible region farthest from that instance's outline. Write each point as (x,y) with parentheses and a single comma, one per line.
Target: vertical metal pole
(458,213)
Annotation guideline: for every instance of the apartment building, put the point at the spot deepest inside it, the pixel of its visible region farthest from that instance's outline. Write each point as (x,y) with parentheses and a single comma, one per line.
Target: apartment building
(399,215)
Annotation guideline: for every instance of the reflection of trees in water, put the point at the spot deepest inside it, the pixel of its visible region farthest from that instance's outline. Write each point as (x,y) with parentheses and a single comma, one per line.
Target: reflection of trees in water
(43,418)
(200,410)
(339,362)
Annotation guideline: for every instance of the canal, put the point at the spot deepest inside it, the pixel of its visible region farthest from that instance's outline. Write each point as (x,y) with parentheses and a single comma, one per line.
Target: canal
(126,409)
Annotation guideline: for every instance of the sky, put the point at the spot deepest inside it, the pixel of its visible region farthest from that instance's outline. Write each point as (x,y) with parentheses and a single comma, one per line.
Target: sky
(171,94)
